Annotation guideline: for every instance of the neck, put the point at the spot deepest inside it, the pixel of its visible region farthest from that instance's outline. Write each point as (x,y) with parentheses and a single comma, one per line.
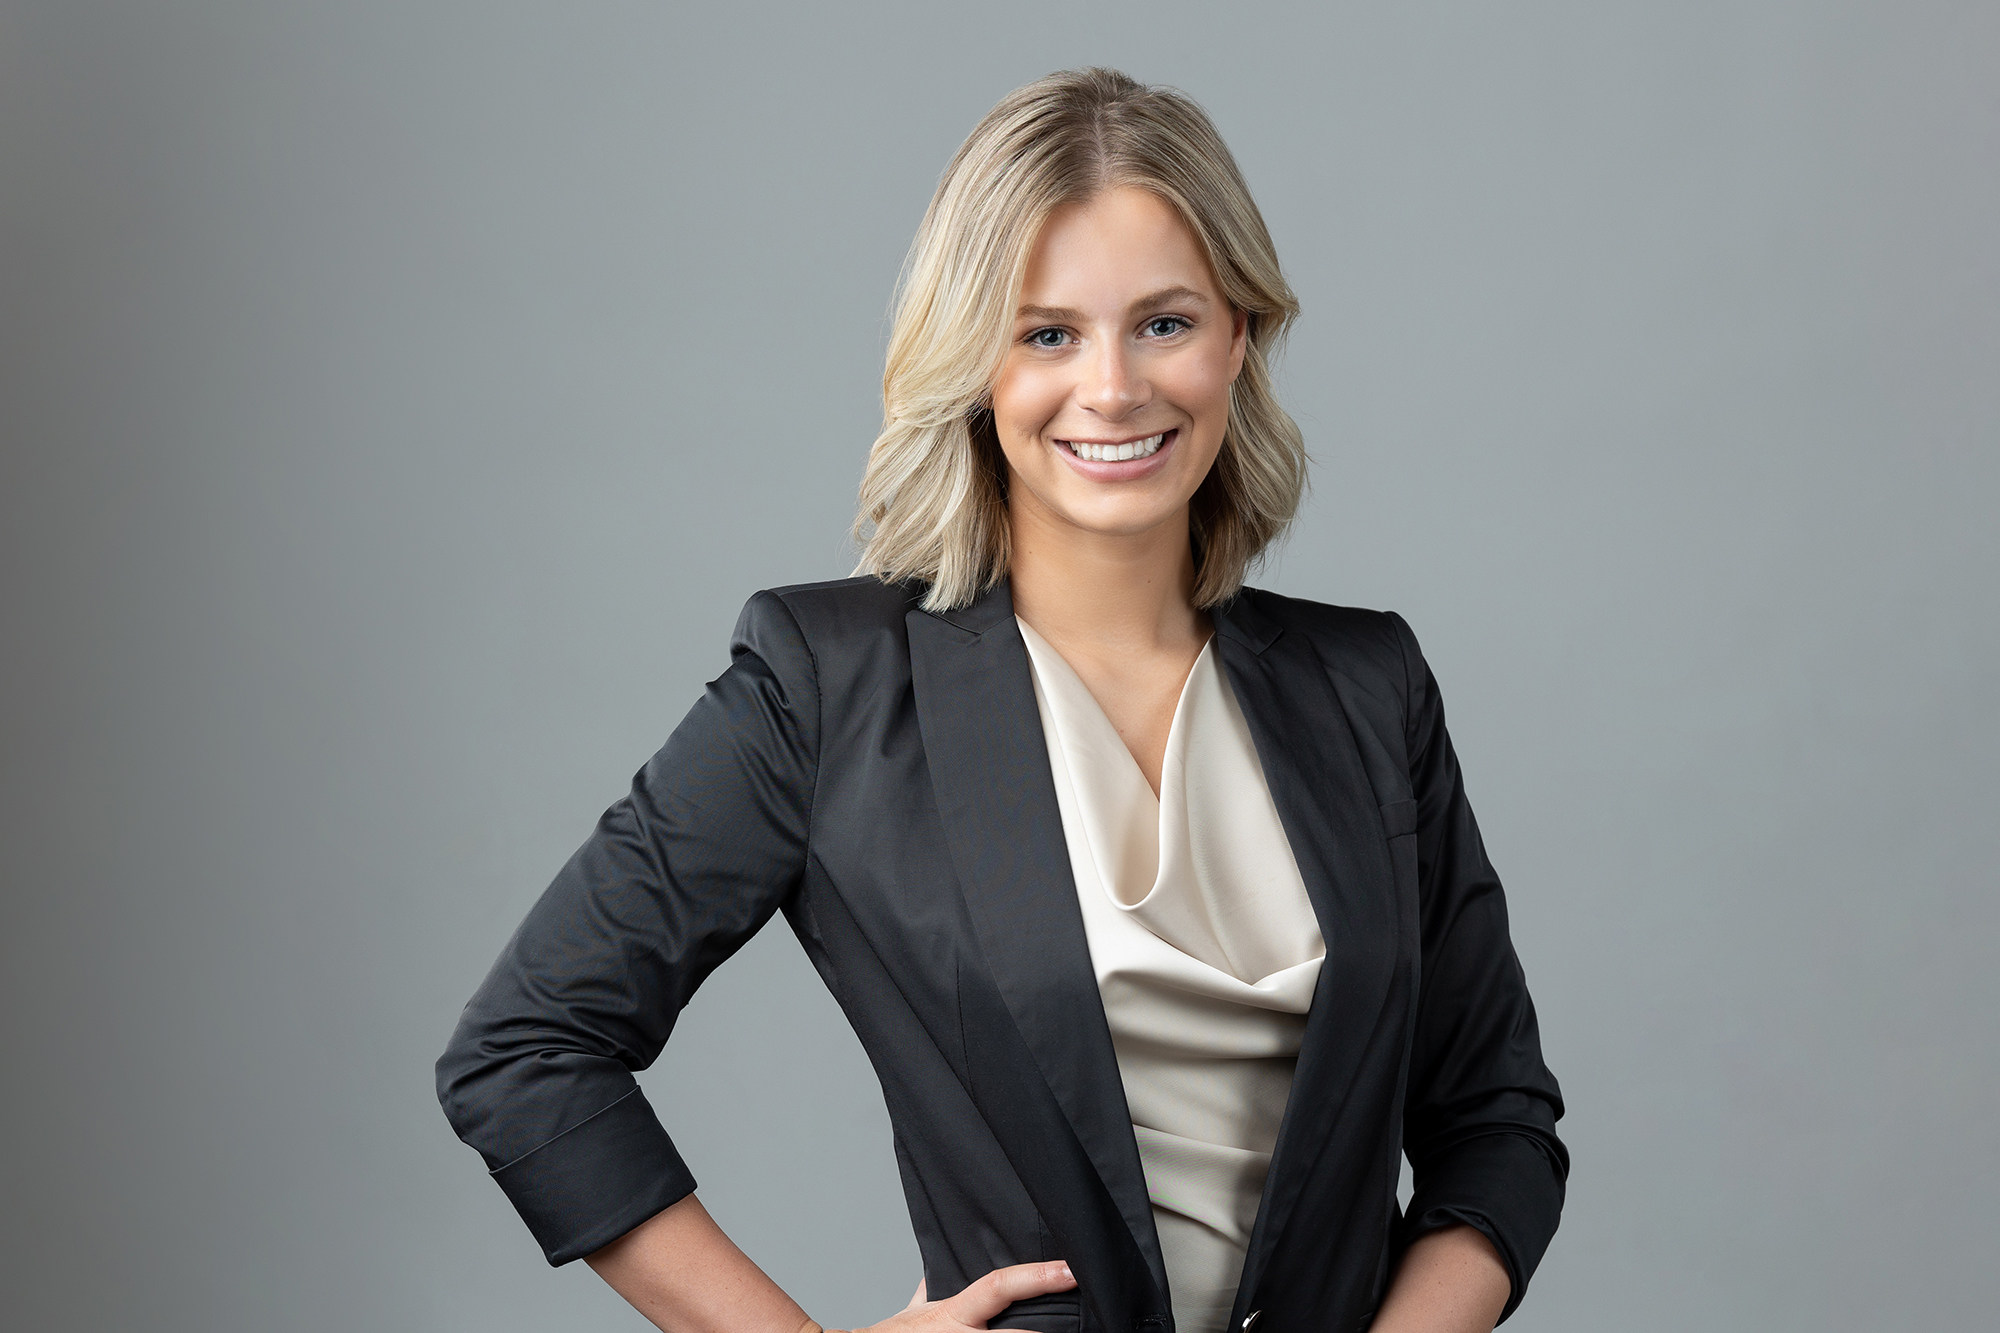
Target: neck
(1111,591)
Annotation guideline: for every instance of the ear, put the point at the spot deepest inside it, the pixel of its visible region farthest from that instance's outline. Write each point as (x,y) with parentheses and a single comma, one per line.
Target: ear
(1239,341)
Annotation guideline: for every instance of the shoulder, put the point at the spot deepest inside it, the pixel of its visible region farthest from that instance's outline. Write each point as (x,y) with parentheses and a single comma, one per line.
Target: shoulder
(860,601)
(1352,641)
(1372,658)
(828,623)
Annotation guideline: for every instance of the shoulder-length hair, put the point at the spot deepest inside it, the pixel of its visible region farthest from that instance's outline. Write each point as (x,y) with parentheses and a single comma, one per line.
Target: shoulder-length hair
(933,500)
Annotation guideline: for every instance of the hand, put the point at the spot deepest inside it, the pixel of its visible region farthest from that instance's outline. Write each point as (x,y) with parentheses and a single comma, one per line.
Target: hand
(981,1301)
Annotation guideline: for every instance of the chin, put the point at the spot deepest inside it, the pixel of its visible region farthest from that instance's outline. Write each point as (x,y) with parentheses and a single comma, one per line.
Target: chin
(1120,521)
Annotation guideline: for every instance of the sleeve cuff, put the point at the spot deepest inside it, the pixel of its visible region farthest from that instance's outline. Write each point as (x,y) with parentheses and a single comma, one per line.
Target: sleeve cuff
(1503,1186)
(594,1182)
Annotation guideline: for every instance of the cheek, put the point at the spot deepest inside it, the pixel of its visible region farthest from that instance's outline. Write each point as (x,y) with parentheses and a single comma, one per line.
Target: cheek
(1201,382)
(1024,399)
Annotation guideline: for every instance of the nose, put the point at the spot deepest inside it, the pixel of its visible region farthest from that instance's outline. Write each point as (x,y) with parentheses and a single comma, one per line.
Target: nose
(1112,387)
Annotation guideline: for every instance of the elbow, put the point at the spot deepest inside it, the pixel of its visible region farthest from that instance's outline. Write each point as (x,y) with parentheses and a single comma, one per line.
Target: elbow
(479,1077)
(457,1070)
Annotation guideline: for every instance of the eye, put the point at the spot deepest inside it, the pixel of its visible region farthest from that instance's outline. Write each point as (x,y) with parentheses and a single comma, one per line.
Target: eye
(1165,326)
(1050,337)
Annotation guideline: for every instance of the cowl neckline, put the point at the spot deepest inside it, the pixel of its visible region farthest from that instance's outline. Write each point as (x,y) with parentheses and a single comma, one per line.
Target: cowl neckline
(1204,866)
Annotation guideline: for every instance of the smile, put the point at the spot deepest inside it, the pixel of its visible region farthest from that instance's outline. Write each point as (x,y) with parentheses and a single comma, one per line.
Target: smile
(1093,452)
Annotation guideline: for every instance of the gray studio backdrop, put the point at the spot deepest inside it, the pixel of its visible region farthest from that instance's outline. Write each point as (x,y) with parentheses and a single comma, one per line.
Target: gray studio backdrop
(401,398)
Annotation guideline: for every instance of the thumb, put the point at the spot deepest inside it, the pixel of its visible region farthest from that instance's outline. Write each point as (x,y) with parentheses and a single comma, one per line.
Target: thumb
(1003,1286)
(917,1301)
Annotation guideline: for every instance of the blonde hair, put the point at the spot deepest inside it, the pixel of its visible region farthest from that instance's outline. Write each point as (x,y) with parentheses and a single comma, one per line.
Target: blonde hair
(933,499)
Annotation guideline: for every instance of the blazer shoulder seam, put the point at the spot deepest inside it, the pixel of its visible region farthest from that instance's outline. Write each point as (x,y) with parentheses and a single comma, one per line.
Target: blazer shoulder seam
(780,597)
(1401,629)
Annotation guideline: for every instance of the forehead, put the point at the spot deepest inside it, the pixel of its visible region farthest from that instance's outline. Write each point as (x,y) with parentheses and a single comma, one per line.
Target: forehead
(1111,248)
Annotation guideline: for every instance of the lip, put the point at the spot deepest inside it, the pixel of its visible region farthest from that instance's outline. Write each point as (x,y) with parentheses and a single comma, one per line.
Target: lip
(1130,469)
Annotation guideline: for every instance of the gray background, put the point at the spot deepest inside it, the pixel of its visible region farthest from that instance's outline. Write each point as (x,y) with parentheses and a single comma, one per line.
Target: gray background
(401,398)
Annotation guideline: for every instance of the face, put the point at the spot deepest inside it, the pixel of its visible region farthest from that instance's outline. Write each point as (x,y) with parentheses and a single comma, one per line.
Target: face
(1114,396)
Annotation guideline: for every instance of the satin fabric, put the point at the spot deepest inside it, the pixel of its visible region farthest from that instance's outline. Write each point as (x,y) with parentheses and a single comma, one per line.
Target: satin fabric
(877,772)
(1206,953)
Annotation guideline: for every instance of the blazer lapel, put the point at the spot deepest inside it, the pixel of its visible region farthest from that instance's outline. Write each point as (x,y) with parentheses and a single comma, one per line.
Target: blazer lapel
(989,767)
(1327,805)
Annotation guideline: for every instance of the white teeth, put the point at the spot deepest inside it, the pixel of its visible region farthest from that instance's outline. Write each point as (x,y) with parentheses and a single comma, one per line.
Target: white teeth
(1117,453)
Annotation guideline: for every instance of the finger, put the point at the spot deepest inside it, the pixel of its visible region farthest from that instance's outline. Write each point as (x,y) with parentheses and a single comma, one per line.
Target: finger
(917,1301)
(1003,1286)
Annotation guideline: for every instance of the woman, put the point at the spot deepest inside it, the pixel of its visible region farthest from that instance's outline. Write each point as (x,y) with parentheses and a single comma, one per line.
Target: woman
(1154,899)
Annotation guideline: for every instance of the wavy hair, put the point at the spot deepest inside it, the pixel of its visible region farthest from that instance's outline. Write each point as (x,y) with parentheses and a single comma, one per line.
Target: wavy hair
(933,498)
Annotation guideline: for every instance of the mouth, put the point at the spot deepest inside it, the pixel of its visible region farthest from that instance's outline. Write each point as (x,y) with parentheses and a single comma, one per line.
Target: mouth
(1118,451)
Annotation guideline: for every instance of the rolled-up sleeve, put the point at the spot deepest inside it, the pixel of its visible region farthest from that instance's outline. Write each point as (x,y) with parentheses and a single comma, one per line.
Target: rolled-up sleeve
(676,877)
(1480,1114)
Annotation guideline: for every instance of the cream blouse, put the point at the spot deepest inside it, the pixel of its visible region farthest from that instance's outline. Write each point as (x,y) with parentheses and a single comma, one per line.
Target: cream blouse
(1206,952)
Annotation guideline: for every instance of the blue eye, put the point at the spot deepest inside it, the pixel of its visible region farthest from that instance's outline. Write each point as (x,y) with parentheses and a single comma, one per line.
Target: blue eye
(1166,326)
(1046,338)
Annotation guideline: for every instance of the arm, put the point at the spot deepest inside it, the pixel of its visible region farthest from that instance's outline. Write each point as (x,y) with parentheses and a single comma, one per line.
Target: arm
(539,1075)
(1450,1281)
(683,1274)
(677,875)
(1480,1112)
(680,1271)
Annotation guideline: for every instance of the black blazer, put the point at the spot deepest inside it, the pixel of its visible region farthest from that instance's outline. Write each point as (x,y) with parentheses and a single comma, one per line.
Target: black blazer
(878,774)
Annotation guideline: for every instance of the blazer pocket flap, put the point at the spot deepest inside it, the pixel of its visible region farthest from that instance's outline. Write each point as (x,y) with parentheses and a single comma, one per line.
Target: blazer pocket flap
(1398,818)
(1051,1312)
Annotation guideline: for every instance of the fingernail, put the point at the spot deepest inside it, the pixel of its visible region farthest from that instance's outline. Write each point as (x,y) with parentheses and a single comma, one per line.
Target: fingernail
(1066,1275)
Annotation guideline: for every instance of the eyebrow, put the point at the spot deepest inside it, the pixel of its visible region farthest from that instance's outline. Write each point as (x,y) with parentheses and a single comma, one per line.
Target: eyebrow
(1063,313)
